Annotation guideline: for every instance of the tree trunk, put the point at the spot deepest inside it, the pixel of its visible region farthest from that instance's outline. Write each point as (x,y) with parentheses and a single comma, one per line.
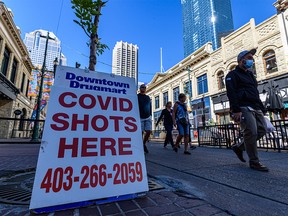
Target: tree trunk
(92,58)
(94,40)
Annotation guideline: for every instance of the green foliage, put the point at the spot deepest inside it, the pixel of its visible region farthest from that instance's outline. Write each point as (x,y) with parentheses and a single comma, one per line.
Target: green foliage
(88,13)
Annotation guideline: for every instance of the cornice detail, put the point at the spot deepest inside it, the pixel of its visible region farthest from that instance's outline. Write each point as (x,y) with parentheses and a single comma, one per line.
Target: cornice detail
(8,20)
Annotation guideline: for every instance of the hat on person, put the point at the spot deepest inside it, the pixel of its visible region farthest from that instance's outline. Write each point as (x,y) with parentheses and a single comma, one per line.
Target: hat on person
(245,52)
(143,86)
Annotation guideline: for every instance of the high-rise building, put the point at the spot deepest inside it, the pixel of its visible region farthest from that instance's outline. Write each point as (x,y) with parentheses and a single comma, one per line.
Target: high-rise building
(35,42)
(205,21)
(125,60)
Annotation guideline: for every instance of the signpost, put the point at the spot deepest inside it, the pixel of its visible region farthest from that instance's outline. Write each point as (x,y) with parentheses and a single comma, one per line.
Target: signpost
(92,143)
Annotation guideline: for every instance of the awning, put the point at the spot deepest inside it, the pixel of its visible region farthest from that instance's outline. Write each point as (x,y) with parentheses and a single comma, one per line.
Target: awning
(7,89)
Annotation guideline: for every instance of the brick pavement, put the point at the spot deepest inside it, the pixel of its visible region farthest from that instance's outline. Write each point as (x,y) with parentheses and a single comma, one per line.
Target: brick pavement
(154,203)
(161,202)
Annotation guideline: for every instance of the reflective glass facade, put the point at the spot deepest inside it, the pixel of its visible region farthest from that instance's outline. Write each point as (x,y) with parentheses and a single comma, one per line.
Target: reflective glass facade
(204,21)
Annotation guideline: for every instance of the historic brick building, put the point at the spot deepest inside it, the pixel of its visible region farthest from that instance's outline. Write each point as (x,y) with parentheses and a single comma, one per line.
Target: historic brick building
(205,69)
(15,69)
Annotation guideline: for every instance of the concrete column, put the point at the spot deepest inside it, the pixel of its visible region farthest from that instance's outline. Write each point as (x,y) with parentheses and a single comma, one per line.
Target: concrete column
(170,94)
(8,75)
(2,47)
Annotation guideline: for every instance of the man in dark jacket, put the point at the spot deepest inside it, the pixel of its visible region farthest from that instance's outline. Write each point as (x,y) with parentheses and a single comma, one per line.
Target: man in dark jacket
(145,110)
(247,108)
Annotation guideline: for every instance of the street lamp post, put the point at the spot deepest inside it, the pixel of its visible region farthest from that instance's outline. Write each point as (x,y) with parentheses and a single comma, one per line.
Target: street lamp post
(203,112)
(35,135)
(190,87)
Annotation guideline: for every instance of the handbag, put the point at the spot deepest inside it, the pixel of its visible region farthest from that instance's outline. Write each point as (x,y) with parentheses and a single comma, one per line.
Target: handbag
(183,121)
(269,126)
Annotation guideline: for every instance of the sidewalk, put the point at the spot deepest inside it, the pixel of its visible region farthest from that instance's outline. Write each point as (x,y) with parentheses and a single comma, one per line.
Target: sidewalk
(210,181)
(19,158)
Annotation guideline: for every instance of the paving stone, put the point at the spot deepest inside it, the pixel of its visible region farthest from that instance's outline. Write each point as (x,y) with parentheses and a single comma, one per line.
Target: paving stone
(108,209)
(127,205)
(204,210)
(17,213)
(69,212)
(90,211)
(190,203)
(158,198)
(135,213)
(161,210)
(182,213)
(185,195)
(145,202)
(222,214)
(168,194)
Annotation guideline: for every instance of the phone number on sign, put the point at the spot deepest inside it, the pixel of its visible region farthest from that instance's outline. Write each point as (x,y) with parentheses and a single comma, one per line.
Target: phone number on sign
(91,177)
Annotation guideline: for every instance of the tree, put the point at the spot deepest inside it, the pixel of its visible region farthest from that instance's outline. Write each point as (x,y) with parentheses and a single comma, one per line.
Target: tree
(88,13)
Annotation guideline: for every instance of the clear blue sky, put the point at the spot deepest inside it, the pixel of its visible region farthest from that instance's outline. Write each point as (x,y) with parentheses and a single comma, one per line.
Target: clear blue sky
(150,24)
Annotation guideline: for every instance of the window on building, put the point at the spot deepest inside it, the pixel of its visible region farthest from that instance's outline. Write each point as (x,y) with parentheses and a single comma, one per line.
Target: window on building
(13,71)
(165,98)
(270,62)
(220,80)
(175,94)
(202,84)
(23,82)
(156,102)
(5,61)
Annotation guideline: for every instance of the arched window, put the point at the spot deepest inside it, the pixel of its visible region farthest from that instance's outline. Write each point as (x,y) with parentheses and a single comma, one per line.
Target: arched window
(232,67)
(270,62)
(220,80)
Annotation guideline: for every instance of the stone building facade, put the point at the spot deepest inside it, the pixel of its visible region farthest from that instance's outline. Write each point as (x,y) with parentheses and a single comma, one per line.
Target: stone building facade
(15,68)
(206,70)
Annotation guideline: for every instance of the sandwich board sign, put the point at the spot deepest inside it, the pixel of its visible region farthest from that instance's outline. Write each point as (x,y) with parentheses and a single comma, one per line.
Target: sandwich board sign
(92,144)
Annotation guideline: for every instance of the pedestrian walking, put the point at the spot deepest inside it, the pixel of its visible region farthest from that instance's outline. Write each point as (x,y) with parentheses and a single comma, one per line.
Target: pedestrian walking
(247,108)
(168,123)
(181,121)
(145,110)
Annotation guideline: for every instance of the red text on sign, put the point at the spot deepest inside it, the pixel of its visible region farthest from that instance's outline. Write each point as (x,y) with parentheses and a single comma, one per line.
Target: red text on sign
(91,147)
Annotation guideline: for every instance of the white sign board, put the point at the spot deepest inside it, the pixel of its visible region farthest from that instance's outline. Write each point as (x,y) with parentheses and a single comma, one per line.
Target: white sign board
(92,145)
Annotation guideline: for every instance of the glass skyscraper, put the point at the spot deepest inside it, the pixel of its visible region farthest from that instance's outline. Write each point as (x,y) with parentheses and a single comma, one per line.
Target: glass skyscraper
(204,21)
(36,41)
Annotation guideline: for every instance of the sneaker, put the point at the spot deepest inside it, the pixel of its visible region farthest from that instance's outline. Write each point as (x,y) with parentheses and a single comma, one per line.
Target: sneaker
(187,152)
(146,149)
(165,144)
(238,152)
(258,166)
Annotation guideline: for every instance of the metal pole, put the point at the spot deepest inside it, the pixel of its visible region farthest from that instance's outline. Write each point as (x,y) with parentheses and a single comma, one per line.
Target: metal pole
(35,135)
(203,112)
(190,84)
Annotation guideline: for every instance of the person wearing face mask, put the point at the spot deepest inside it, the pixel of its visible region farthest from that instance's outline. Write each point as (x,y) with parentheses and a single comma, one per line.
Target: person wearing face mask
(247,108)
